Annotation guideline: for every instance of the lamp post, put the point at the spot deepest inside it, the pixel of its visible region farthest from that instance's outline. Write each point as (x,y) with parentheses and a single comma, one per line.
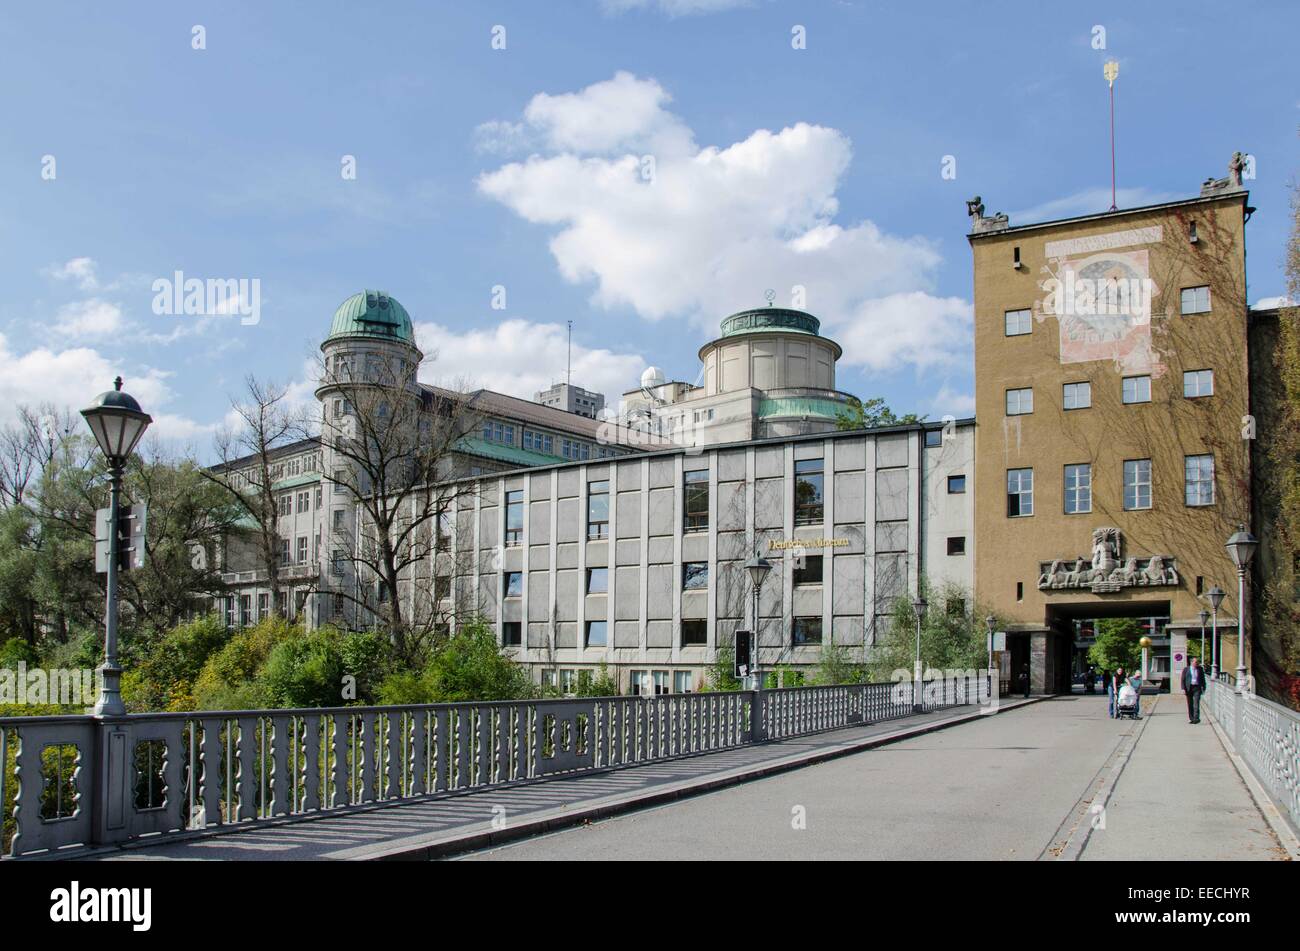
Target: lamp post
(118,423)
(1241,548)
(758,567)
(1205,616)
(918,606)
(1216,596)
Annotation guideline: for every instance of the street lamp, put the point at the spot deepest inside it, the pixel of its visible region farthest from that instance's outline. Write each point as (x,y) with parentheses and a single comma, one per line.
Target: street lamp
(919,607)
(758,567)
(1216,596)
(118,423)
(1204,616)
(1241,548)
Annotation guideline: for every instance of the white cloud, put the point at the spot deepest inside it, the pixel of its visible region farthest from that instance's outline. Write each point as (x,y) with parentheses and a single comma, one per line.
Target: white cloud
(1271,303)
(81,270)
(89,319)
(520,358)
(715,226)
(950,402)
(1090,201)
(674,8)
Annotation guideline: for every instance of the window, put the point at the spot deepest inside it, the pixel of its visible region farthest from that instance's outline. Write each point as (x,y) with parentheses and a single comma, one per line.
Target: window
(1078,489)
(933,438)
(1020,492)
(264,605)
(539,442)
(443,541)
(1199,479)
(598,510)
(496,431)
(596,633)
(338,520)
(597,581)
(514,517)
(1020,402)
(638,683)
(810,572)
(568,681)
(695,575)
(1137,484)
(304,502)
(284,551)
(956,484)
(1076,395)
(340,481)
(660,681)
(807,630)
(302,549)
(1195,300)
(337,558)
(512,584)
(696,500)
(1137,389)
(683,681)
(512,633)
(441,587)
(1197,383)
(339,606)
(957,544)
(285,504)
(1019,323)
(807,491)
(695,632)
(245,610)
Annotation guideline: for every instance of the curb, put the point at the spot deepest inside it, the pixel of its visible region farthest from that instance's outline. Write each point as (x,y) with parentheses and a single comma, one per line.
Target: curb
(555,820)
(1075,843)
(1277,823)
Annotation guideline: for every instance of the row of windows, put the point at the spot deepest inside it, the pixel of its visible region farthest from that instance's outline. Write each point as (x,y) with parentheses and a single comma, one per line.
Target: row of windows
(1192,300)
(695,577)
(694,632)
(300,502)
(1198,486)
(1135,389)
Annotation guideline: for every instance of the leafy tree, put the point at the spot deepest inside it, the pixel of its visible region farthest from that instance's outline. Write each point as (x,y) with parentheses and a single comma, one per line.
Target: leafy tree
(603,684)
(471,666)
(836,667)
(864,414)
(954,635)
(720,676)
(1116,644)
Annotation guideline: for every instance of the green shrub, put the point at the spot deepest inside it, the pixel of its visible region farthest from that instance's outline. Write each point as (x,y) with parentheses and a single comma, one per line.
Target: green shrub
(228,680)
(17,651)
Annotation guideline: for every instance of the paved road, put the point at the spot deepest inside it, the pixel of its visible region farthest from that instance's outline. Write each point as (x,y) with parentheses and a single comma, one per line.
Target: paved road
(1014,786)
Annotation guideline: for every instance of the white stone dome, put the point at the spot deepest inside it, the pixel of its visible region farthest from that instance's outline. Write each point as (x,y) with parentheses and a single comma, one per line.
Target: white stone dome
(653,376)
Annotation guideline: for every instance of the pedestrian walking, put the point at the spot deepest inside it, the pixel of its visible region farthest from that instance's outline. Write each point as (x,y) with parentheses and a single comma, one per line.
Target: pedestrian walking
(1113,683)
(1194,688)
(1024,679)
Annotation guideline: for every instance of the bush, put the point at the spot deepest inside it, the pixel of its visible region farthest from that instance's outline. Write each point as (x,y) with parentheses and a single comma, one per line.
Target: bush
(311,669)
(469,666)
(836,668)
(603,684)
(721,673)
(228,680)
(17,651)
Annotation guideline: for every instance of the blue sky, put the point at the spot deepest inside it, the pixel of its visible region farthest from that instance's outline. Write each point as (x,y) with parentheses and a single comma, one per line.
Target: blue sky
(524,168)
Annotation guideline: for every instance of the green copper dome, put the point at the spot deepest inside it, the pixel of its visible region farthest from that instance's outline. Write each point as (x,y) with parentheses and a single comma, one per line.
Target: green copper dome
(372,314)
(784,319)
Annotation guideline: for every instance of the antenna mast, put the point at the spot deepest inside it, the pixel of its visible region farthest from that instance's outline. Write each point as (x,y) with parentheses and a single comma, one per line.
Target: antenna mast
(568,369)
(1111,71)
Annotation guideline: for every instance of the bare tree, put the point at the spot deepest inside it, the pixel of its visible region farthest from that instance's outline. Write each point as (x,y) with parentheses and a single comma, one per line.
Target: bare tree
(246,469)
(394,449)
(28,446)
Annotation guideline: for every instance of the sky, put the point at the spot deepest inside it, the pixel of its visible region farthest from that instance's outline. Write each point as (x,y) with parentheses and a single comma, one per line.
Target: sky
(641,168)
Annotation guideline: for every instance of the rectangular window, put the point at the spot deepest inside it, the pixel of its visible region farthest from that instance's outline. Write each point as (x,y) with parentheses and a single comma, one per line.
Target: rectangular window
(661,682)
(338,520)
(1137,389)
(808,494)
(1020,402)
(695,632)
(695,575)
(1195,300)
(512,584)
(512,633)
(596,633)
(1199,479)
(441,587)
(807,630)
(263,605)
(515,517)
(683,681)
(1019,323)
(598,509)
(304,502)
(1137,484)
(245,610)
(810,572)
(957,544)
(337,558)
(956,484)
(597,581)
(1197,383)
(1078,489)
(1020,492)
(284,551)
(1076,396)
(302,549)
(696,500)
(933,438)
(638,683)
(340,481)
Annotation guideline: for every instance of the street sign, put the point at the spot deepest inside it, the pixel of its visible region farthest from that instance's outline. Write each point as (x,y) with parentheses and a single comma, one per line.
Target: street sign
(743,659)
(130,538)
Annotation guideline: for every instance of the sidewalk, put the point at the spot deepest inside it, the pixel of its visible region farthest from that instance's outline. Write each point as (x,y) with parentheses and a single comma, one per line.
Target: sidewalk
(438,827)
(1178,797)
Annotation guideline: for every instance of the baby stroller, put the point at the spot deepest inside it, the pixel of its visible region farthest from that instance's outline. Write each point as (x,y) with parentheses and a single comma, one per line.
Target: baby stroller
(1126,703)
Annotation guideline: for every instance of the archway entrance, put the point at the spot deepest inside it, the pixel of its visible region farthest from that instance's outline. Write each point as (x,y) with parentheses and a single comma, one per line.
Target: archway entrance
(1076,626)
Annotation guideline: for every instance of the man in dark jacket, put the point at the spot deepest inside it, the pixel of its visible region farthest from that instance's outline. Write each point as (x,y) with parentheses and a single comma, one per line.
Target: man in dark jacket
(1194,687)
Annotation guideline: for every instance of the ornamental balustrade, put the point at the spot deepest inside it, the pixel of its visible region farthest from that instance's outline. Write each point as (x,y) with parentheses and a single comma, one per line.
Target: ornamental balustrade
(75,782)
(1265,735)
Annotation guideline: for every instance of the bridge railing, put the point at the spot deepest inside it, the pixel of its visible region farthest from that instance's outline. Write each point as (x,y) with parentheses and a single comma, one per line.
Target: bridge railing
(1266,736)
(75,781)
